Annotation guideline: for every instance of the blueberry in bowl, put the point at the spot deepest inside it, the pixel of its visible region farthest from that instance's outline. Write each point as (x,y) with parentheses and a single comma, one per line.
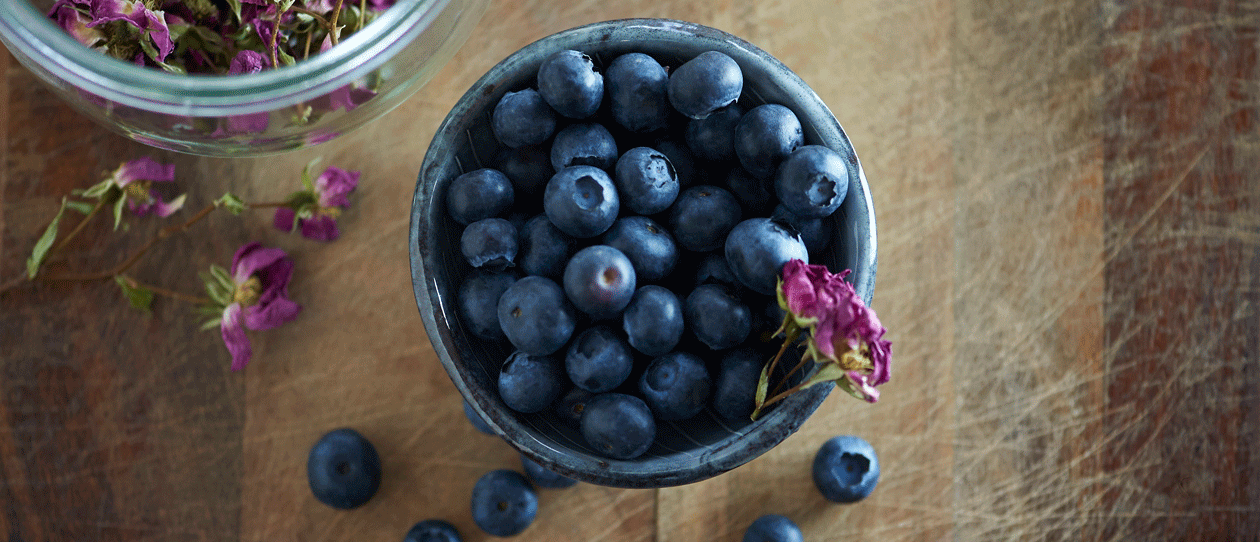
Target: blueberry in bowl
(612,436)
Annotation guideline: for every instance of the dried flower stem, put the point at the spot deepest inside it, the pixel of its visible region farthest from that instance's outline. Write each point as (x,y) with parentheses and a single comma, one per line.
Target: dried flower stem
(358,25)
(332,29)
(781,396)
(271,204)
(318,18)
(100,203)
(168,293)
(123,267)
(787,377)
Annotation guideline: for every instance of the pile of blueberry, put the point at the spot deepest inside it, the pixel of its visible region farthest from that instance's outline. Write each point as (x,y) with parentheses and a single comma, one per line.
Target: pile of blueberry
(344,472)
(628,239)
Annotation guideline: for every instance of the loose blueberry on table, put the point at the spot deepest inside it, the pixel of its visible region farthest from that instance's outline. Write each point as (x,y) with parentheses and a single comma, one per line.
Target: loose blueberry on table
(846,469)
(773,528)
(503,503)
(432,530)
(343,469)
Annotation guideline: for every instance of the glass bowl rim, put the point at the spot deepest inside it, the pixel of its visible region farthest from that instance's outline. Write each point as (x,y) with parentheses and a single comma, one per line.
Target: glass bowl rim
(34,36)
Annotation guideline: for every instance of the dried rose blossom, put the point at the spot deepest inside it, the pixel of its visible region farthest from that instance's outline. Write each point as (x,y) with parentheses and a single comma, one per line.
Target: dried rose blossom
(258,298)
(315,210)
(205,36)
(135,180)
(73,17)
(845,337)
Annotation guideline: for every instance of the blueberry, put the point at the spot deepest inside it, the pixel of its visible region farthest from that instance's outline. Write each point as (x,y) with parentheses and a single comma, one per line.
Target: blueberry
(714,270)
(812,181)
(846,469)
(343,469)
(476,421)
(638,88)
(543,248)
(713,137)
(529,168)
(618,426)
(567,80)
(702,216)
(684,163)
(649,246)
(675,386)
(598,360)
(586,144)
(503,503)
(478,302)
(523,118)
(581,201)
(646,180)
(765,136)
(704,84)
(599,281)
(535,316)
(758,248)
(478,194)
(653,321)
(755,195)
(490,243)
(569,406)
(432,530)
(773,528)
(542,477)
(815,232)
(716,317)
(528,383)
(736,387)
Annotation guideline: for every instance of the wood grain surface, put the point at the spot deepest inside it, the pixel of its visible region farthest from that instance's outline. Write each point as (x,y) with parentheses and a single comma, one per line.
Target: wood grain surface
(1068,203)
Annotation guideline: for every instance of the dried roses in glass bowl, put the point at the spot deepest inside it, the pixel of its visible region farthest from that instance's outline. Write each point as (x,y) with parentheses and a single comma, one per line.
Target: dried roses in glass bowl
(236,77)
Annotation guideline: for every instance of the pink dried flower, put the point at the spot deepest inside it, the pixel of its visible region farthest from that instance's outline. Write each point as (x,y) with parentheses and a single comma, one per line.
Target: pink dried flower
(845,338)
(316,209)
(259,298)
(135,179)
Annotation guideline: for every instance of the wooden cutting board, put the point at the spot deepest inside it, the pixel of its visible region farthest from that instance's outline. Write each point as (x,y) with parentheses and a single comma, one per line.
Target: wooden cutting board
(1067,201)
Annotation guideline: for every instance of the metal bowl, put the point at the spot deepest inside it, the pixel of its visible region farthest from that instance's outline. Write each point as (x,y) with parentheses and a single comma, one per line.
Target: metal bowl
(684,452)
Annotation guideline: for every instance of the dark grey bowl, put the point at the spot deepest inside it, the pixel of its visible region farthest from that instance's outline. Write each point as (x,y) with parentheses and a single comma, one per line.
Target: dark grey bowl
(704,446)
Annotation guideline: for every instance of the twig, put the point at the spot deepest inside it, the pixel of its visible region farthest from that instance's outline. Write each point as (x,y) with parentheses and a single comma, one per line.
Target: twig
(79,227)
(332,29)
(168,293)
(271,204)
(123,267)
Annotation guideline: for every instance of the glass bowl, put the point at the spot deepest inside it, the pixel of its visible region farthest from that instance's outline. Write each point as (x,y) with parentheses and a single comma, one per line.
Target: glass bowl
(684,452)
(251,114)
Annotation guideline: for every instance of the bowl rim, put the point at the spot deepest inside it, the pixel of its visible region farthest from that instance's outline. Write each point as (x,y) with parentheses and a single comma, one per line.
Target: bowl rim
(36,39)
(755,439)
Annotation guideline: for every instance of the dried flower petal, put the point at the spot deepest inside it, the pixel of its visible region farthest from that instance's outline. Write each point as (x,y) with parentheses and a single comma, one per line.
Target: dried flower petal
(234,337)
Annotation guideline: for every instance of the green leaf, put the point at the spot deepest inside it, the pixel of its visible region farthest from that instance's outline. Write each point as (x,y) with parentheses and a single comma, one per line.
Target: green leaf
(118,210)
(139,296)
(763,386)
(80,207)
(212,323)
(99,189)
(44,243)
(307,182)
(285,58)
(235,6)
(301,198)
(231,203)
